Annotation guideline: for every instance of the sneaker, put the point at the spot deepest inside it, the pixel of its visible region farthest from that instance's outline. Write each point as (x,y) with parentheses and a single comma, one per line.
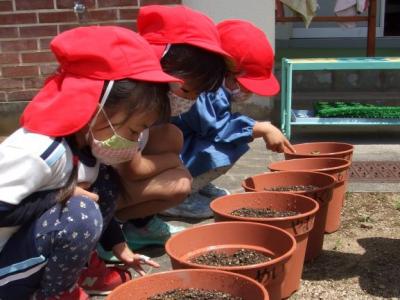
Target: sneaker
(107,256)
(155,232)
(212,191)
(195,206)
(74,293)
(98,279)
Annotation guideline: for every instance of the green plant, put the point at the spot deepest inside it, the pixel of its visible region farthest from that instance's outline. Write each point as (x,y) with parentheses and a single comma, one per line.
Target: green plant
(397,204)
(355,110)
(338,244)
(365,219)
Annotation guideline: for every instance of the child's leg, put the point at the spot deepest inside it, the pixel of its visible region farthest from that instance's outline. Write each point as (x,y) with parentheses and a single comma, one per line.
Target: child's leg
(151,196)
(143,199)
(204,179)
(197,204)
(147,197)
(67,249)
(49,253)
(164,138)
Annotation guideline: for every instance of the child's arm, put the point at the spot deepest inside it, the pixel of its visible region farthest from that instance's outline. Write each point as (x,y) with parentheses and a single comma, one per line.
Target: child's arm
(145,166)
(30,208)
(24,212)
(210,118)
(113,239)
(273,137)
(130,259)
(22,174)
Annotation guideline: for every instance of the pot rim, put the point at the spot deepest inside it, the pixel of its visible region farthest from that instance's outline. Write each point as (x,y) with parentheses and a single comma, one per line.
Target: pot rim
(210,271)
(345,164)
(279,259)
(257,220)
(243,185)
(323,154)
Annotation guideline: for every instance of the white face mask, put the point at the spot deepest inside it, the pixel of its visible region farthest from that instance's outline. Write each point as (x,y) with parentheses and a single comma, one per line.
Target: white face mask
(237,95)
(179,105)
(116,149)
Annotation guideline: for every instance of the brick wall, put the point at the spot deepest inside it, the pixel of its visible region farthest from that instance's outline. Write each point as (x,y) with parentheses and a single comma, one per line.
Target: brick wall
(27,27)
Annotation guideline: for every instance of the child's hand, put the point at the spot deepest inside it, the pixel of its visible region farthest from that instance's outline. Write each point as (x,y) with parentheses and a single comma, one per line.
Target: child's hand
(124,254)
(273,137)
(82,192)
(276,141)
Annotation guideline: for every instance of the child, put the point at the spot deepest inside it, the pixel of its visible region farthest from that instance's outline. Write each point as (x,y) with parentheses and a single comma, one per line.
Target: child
(214,137)
(57,190)
(188,46)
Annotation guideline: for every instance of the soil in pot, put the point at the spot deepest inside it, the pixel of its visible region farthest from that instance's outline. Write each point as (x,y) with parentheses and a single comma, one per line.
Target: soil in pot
(251,212)
(195,294)
(241,257)
(298,225)
(337,167)
(292,188)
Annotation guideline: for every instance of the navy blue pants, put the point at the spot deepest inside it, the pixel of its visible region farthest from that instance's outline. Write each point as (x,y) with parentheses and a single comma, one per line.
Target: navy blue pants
(47,255)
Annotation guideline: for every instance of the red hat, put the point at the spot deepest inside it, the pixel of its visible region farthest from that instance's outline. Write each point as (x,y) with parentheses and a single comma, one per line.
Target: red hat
(161,25)
(88,56)
(252,54)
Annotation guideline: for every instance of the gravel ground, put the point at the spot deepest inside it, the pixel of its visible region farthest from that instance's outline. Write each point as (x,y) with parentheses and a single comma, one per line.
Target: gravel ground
(362,259)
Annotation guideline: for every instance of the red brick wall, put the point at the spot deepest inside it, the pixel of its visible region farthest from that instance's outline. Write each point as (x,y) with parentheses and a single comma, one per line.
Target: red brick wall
(27,27)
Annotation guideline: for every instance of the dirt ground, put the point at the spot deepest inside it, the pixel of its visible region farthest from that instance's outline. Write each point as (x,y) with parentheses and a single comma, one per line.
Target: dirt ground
(362,259)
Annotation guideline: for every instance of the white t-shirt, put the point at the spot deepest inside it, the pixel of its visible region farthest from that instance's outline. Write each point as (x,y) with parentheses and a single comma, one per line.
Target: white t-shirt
(31,162)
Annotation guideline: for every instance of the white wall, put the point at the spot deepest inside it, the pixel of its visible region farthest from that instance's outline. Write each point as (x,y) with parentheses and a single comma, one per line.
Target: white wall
(262,14)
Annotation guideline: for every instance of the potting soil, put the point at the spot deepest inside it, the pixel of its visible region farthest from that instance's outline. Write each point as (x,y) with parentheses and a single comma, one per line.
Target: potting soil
(262,213)
(242,257)
(195,294)
(292,188)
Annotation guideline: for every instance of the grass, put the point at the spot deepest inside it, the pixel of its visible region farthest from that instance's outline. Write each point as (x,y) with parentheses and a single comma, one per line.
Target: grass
(365,219)
(338,244)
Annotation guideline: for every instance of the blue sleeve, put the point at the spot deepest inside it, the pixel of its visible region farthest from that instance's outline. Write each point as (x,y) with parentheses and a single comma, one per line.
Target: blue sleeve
(211,118)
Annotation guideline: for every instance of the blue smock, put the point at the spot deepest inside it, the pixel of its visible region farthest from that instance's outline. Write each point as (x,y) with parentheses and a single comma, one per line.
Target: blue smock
(213,136)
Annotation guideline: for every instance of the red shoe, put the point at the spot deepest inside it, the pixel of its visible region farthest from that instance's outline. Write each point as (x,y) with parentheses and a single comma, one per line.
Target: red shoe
(98,279)
(75,293)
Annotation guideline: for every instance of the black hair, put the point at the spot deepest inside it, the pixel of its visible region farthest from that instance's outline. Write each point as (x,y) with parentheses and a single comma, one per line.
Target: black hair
(138,96)
(204,70)
(135,97)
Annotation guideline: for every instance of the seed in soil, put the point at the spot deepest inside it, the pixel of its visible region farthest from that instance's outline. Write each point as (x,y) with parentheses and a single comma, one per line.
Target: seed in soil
(315,152)
(242,257)
(292,188)
(195,294)
(262,213)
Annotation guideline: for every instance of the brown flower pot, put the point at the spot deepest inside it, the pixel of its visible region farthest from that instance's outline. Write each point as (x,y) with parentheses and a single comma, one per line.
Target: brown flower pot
(321,149)
(298,226)
(235,284)
(337,167)
(323,195)
(230,236)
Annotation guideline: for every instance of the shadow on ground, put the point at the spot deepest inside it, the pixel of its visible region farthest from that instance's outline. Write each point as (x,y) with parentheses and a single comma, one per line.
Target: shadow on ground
(378,268)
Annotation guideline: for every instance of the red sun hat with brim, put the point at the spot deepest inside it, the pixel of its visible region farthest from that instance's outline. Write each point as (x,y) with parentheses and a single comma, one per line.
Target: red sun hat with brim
(88,56)
(253,56)
(161,25)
